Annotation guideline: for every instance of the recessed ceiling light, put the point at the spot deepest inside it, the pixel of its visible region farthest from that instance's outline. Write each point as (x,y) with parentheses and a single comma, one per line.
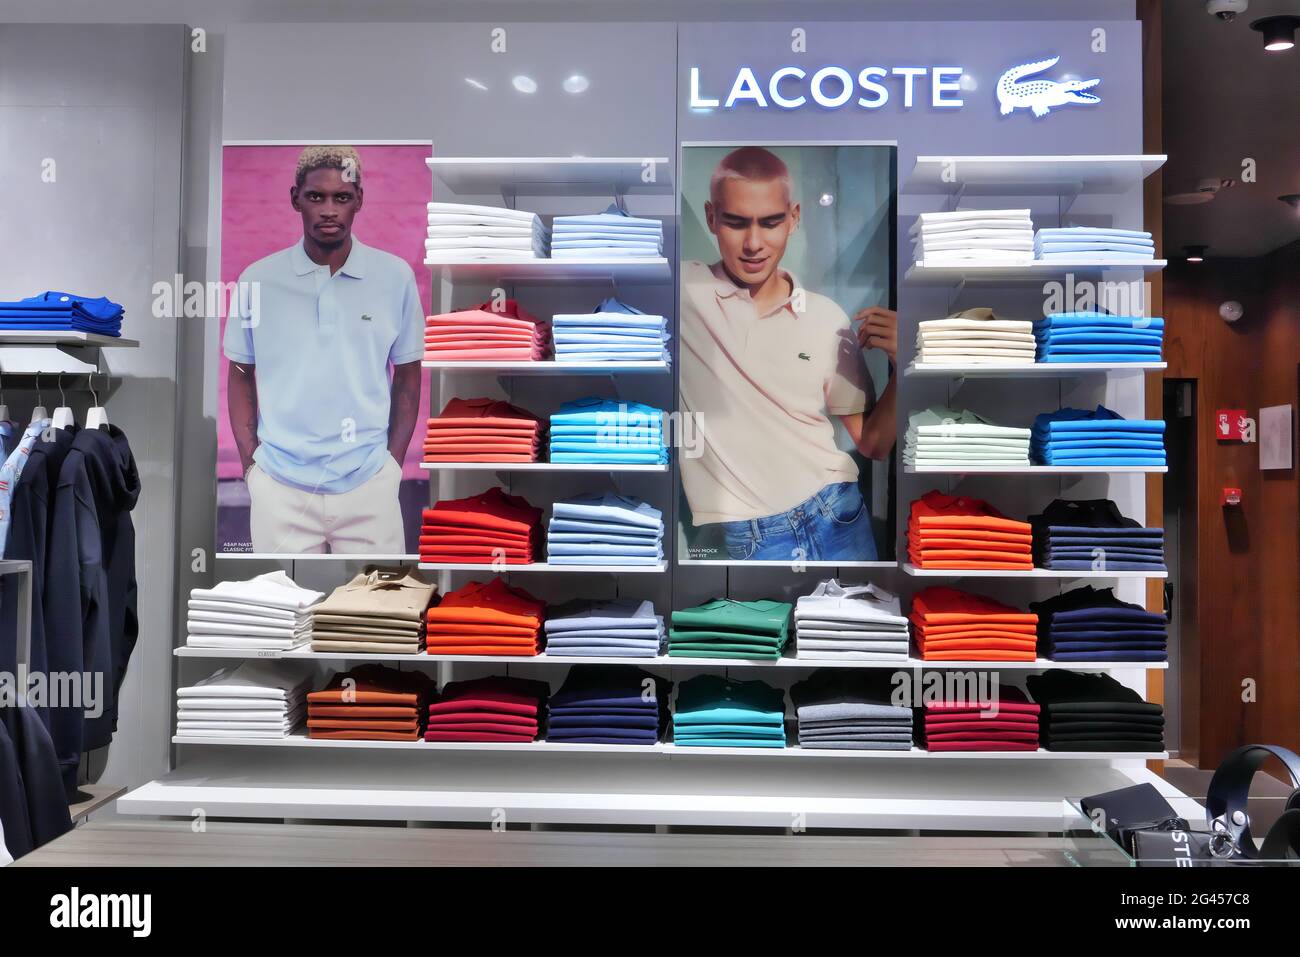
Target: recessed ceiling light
(576,84)
(1195,254)
(1279,32)
(475,83)
(826,199)
(524,84)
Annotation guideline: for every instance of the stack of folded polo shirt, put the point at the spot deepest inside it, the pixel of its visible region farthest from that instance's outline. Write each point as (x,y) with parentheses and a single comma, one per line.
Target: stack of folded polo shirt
(489,709)
(482,430)
(1093,534)
(380,611)
(843,709)
(603,528)
(975,337)
(608,705)
(952,625)
(482,529)
(1093,243)
(1009,722)
(728,628)
(713,711)
(497,332)
(479,619)
(973,236)
(949,438)
(608,235)
(370,703)
(608,432)
(459,232)
(1094,712)
(256,699)
(621,628)
(266,613)
(614,332)
(855,622)
(62,312)
(1100,437)
(945,531)
(1090,624)
(1098,337)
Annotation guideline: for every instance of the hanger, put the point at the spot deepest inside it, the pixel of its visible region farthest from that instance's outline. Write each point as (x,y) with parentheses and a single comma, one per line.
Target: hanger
(39,412)
(97,416)
(63,414)
(4,408)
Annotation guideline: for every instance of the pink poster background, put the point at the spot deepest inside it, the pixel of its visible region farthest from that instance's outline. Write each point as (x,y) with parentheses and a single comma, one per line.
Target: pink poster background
(257,220)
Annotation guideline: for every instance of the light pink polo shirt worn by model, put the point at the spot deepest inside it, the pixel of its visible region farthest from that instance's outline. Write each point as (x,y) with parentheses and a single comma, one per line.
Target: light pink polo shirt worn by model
(761,390)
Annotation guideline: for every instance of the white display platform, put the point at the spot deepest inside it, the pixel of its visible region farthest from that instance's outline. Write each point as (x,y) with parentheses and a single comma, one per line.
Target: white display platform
(1045,370)
(911,569)
(548,367)
(551,175)
(524,272)
(1016,273)
(1051,175)
(449,786)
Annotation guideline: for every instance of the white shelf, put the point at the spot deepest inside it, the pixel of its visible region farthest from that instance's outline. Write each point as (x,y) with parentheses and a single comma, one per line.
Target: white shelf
(542,271)
(1029,175)
(550,175)
(544,567)
(664,749)
(1030,272)
(1046,370)
(732,563)
(911,569)
(1033,469)
(550,367)
(34,337)
(537,467)
(669,661)
(400,559)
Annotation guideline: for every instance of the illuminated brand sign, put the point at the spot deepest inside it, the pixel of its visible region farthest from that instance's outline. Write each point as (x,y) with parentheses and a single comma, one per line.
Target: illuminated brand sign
(873,87)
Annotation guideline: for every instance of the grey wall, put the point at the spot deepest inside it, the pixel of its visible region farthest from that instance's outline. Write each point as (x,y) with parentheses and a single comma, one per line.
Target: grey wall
(106,104)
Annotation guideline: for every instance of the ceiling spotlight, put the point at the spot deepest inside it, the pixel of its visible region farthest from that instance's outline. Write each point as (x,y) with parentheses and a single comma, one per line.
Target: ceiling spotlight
(1279,32)
(576,84)
(1292,200)
(524,84)
(1195,254)
(826,199)
(475,83)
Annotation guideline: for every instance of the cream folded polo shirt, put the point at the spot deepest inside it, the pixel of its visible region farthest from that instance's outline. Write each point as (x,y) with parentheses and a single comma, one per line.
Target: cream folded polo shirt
(761,390)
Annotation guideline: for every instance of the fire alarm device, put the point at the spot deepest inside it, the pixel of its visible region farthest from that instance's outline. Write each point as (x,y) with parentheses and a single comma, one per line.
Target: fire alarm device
(1230,496)
(1230,425)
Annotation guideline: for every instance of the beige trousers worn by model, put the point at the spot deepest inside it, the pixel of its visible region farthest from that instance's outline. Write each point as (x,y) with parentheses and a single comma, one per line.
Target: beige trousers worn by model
(287,520)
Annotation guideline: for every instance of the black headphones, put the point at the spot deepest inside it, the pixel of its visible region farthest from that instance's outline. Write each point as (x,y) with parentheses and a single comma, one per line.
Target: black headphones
(1225,806)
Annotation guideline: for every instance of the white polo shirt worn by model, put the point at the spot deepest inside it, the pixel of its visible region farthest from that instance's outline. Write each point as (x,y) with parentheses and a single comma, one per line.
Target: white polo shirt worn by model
(322,344)
(761,390)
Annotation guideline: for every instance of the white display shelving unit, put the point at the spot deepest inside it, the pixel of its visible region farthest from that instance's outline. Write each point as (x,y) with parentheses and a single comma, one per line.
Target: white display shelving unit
(1034,469)
(1032,573)
(663,784)
(590,467)
(1030,273)
(1044,370)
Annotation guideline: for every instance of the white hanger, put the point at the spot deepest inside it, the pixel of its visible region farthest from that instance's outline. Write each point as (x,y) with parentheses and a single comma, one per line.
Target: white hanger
(63,414)
(4,408)
(39,412)
(97,416)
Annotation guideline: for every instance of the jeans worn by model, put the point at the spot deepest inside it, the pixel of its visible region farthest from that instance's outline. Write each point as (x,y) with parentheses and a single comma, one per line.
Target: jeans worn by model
(833,525)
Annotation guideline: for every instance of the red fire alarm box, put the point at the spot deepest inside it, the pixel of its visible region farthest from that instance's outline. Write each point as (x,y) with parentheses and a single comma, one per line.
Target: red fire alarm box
(1230,496)
(1230,425)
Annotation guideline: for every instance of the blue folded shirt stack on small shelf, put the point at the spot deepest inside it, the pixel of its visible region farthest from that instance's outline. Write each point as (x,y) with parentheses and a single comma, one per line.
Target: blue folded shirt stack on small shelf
(601,704)
(608,432)
(1091,624)
(1092,244)
(613,234)
(614,332)
(604,529)
(1100,437)
(620,628)
(62,312)
(1098,337)
(1094,535)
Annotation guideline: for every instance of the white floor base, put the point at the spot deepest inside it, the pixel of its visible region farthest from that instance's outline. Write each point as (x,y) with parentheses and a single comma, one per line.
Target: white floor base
(988,796)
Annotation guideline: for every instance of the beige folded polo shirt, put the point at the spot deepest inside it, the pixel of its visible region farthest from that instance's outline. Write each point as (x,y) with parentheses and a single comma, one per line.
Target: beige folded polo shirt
(380,592)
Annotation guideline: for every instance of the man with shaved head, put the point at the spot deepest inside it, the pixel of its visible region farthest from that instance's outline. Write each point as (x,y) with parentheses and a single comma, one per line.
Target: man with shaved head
(765,368)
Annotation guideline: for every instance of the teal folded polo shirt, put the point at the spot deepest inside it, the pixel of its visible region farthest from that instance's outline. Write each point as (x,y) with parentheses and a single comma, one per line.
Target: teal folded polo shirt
(322,345)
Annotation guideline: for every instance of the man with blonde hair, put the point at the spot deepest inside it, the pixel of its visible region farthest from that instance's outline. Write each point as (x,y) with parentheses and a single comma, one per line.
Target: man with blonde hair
(765,365)
(321,428)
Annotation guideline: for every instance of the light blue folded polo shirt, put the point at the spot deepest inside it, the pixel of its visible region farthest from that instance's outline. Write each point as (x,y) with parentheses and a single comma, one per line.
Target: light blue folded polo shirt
(322,345)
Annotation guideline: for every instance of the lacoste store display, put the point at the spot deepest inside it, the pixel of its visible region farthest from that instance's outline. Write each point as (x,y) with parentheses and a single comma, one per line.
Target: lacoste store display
(485,619)
(850,622)
(255,699)
(1008,723)
(1092,534)
(482,430)
(611,234)
(370,703)
(959,532)
(1094,712)
(940,436)
(381,610)
(1081,243)
(608,705)
(1097,437)
(953,625)
(612,332)
(604,529)
(481,529)
(712,711)
(727,628)
(499,332)
(62,312)
(607,431)
(621,628)
(1091,625)
(494,709)
(842,709)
